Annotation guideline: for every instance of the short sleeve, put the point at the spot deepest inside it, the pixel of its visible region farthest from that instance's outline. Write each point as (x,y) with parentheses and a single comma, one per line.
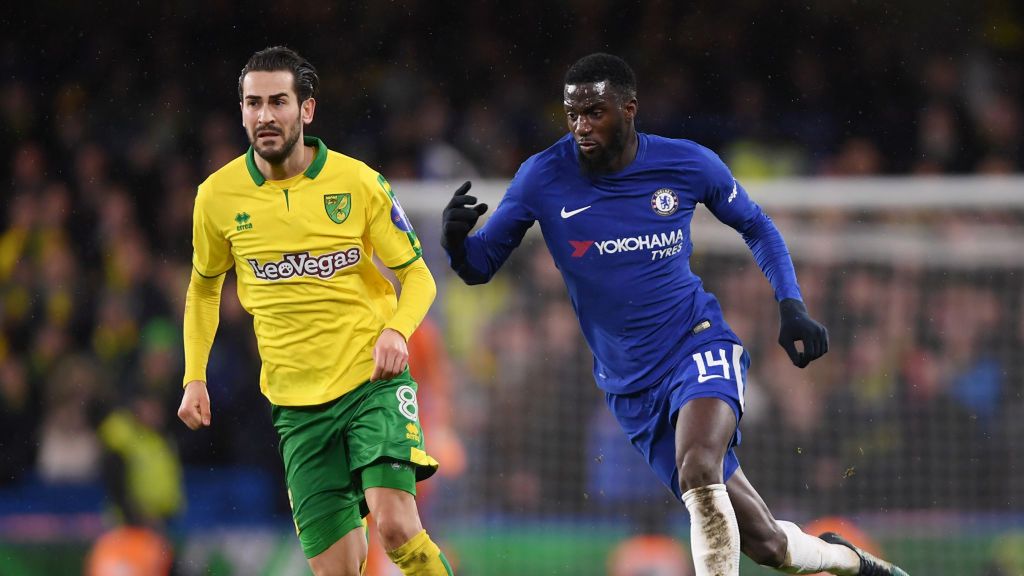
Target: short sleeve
(211,251)
(391,233)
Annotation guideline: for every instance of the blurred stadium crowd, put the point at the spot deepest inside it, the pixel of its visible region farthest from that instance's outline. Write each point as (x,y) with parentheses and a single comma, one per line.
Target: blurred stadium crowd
(916,408)
(107,137)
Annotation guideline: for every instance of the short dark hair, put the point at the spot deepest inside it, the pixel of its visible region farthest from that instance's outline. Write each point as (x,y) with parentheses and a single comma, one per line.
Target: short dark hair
(276,58)
(599,67)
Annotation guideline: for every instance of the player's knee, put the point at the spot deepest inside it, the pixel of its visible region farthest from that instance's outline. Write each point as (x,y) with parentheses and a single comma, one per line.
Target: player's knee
(766,547)
(396,529)
(699,468)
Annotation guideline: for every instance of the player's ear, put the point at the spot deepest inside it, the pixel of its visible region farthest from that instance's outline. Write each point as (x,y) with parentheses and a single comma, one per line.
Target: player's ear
(307,109)
(629,109)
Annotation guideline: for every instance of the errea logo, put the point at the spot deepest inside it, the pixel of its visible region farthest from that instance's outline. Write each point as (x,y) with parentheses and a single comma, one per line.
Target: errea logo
(661,245)
(242,221)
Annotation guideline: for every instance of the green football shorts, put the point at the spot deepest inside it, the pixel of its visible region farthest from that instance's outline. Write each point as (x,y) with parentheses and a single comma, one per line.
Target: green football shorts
(332,452)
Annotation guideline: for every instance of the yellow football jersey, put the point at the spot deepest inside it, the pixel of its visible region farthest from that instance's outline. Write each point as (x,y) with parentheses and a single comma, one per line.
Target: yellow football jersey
(302,250)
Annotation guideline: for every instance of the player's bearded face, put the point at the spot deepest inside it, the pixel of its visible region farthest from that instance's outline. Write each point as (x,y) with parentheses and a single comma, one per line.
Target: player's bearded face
(272,113)
(274,141)
(608,148)
(598,125)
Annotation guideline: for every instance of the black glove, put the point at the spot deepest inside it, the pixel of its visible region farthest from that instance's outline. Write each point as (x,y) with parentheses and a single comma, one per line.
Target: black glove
(795,325)
(457,220)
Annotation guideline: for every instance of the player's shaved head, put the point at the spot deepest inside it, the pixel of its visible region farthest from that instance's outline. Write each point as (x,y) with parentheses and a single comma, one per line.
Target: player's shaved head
(600,67)
(275,58)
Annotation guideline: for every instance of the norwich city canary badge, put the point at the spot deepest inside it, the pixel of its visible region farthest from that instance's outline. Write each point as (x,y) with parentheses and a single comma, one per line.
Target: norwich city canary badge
(338,206)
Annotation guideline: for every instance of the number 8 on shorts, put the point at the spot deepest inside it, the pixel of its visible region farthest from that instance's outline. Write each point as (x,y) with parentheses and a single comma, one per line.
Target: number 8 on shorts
(407,402)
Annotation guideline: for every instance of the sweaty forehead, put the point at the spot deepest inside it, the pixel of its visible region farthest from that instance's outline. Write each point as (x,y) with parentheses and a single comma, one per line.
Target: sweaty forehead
(587,94)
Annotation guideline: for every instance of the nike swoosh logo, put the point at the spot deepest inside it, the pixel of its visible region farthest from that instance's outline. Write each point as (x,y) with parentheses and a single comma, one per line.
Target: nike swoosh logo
(572,213)
(702,379)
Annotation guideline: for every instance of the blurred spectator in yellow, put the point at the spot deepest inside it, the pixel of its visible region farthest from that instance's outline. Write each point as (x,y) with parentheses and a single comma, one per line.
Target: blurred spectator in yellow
(141,469)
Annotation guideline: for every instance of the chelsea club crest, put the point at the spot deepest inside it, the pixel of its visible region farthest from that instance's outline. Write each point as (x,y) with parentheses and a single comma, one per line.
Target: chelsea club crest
(664,202)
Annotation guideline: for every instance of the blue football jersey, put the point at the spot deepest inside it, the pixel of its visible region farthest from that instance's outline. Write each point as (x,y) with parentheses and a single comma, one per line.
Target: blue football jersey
(622,243)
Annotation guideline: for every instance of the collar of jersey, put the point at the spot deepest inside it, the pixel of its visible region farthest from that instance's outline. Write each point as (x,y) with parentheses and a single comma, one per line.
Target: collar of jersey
(311,172)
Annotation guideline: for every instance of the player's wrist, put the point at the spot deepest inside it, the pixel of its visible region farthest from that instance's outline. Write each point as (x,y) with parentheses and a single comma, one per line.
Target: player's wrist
(395,330)
(790,307)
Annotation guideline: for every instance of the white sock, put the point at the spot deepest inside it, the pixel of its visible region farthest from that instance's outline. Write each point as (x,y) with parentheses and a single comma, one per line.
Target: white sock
(714,533)
(806,554)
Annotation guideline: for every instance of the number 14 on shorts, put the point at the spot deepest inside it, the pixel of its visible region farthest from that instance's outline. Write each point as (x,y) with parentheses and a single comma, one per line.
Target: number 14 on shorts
(709,366)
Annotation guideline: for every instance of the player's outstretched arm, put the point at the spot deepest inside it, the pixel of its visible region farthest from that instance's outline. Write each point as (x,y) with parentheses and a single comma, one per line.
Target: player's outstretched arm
(457,220)
(195,405)
(797,325)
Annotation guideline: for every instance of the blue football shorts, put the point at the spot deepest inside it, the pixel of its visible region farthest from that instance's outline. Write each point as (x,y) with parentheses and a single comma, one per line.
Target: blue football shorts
(716,369)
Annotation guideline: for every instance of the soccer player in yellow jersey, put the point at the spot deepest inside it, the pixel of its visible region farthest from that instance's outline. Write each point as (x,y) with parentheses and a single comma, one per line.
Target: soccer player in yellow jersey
(300,225)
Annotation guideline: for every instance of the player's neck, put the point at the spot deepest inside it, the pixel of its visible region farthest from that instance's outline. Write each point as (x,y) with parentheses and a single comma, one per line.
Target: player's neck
(296,163)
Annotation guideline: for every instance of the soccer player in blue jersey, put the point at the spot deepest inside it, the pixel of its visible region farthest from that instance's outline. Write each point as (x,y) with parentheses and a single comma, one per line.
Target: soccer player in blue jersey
(615,206)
